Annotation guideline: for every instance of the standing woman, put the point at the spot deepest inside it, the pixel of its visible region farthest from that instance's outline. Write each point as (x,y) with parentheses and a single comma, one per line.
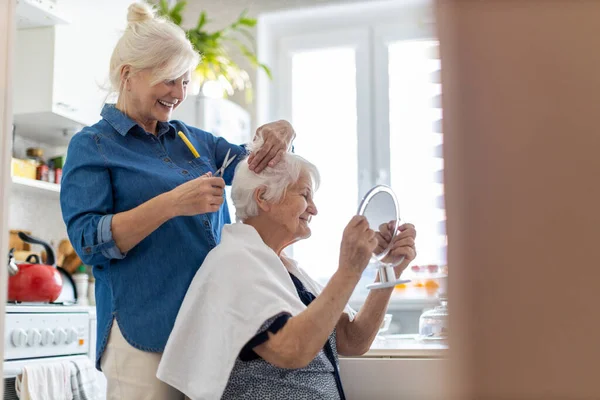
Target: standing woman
(142,206)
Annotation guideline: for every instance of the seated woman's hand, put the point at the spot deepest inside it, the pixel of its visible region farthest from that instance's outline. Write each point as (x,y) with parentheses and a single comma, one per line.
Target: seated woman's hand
(199,196)
(402,250)
(358,243)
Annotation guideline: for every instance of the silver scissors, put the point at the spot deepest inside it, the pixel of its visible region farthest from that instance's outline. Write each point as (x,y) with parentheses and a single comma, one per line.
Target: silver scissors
(226,163)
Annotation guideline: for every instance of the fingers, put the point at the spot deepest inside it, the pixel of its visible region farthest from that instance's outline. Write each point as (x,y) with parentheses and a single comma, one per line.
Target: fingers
(400,242)
(357,220)
(408,227)
(409,253)
(216,182)
(372,238)
(410,232)
(259,156)
(262,164)
(277,158)
(386,231)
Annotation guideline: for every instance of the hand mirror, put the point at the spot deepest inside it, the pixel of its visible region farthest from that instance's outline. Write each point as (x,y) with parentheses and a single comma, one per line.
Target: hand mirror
(380,208)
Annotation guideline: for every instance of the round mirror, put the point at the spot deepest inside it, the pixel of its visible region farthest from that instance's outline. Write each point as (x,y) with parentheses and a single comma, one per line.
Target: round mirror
(380,207)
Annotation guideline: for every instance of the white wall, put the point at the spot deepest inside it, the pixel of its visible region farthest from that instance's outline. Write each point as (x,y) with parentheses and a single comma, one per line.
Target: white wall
(223,12)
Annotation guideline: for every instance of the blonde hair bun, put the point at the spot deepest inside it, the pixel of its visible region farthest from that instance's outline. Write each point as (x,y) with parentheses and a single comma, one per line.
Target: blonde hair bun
(140,12)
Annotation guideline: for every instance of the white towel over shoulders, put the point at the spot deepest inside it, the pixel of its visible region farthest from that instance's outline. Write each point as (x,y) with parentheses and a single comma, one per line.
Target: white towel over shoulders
(240,285)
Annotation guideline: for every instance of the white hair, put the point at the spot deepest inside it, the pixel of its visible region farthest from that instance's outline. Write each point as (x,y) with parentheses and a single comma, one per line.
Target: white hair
(274,179)
(154,43)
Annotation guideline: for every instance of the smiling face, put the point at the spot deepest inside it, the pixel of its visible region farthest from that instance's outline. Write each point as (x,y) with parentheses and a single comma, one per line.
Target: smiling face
(147,104)
(292,215)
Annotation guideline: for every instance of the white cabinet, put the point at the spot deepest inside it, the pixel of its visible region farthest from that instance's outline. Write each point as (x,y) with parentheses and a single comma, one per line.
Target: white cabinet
(61,71)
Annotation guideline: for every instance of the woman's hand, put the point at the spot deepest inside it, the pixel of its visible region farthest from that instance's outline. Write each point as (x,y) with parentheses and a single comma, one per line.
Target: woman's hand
(199,196)
(358,243)
(277,138)
(403,249)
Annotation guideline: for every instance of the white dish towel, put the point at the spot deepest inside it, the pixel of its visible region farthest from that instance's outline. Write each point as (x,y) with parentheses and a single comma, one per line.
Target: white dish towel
(83,380)
(49,381)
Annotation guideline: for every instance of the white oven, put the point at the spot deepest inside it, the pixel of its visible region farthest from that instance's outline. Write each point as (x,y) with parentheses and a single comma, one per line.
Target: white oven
(46,333)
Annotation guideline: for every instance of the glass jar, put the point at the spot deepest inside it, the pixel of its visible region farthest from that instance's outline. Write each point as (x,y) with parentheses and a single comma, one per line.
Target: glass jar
(35,154)
(433,324)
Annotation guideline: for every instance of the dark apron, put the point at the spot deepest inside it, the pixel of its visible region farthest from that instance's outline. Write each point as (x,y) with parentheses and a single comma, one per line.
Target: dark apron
(307,298)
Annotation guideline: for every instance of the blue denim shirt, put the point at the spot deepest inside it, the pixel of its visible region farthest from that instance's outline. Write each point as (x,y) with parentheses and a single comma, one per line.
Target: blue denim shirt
(115,166)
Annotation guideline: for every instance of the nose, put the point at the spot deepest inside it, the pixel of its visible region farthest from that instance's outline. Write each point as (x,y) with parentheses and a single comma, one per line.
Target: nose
(179,91)
(312,209)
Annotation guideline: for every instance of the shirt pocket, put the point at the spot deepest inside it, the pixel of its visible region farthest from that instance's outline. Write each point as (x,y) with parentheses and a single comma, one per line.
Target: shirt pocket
(201,165)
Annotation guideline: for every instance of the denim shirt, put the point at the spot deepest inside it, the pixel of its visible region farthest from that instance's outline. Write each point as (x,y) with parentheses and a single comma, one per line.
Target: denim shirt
(115,166)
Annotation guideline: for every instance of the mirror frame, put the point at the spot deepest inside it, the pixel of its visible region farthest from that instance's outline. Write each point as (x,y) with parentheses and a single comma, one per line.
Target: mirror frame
(363,206)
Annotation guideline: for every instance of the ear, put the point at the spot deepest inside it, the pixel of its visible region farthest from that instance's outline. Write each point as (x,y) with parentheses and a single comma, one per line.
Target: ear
(125,74)
(259,198)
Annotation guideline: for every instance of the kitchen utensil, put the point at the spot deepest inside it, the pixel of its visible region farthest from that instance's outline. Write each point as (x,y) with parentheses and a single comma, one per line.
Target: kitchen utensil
(68,293)
(15,242)
(67,257)
(33,281)
(226,163)
(380,206)
(433,324)
(13,268)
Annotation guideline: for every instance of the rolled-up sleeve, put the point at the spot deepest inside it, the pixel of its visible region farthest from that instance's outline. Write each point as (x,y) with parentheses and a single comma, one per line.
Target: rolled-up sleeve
(86,201)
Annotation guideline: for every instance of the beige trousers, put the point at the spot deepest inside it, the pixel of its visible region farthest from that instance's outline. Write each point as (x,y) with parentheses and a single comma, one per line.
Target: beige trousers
(131,373)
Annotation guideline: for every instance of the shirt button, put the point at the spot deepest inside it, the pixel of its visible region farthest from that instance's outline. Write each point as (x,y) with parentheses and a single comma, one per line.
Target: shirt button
(206,224)
(88,250)
(166,159)
(185,172)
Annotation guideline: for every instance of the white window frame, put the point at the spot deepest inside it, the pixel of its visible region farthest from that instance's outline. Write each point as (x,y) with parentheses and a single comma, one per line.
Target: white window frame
(382,36)
(379,22)
(351,38)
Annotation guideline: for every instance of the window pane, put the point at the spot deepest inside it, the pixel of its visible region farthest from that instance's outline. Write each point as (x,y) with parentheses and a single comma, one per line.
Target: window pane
(415,137)
(324,115)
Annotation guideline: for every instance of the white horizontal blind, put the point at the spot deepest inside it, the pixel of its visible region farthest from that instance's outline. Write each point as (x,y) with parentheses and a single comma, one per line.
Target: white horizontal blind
(416,142)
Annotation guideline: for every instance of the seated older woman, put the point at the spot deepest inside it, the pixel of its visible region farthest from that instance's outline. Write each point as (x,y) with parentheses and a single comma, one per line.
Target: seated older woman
(253,325)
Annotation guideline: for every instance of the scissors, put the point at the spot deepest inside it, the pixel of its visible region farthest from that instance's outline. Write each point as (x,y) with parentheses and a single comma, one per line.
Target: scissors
(226,163)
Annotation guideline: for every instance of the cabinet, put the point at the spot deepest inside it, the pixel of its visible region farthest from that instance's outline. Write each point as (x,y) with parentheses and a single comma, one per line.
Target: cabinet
(61,71)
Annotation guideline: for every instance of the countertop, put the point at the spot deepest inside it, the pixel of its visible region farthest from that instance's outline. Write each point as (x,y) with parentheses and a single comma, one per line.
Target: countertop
(406,346)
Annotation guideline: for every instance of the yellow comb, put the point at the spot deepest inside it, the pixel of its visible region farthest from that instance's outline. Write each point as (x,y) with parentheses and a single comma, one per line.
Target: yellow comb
(188,144)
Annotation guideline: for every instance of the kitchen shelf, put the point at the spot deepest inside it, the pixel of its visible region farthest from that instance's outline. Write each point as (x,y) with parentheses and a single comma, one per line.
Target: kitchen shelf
(38,13)
(34,186)
(46,127)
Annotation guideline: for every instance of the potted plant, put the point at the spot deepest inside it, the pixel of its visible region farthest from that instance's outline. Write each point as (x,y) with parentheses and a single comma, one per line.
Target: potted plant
(217,63)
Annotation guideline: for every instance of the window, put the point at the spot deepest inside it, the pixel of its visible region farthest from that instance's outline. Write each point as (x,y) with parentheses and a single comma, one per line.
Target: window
(416,165)
(363,93)
(324,109)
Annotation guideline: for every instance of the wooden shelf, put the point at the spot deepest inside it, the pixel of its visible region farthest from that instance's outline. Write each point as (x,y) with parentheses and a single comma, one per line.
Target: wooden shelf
(35,186)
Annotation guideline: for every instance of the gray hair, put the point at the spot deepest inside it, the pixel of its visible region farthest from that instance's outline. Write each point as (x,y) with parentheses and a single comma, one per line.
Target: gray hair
(275,179)
(153,43)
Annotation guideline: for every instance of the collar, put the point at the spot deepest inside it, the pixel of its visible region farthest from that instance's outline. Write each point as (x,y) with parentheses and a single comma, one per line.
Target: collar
(123,124)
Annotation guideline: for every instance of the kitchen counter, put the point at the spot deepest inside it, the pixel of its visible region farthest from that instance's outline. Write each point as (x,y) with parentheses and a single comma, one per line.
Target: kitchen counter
(407,346)
(398,367)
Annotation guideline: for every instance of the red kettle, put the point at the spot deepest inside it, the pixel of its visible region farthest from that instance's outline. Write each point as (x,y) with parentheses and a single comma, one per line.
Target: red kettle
(32,281)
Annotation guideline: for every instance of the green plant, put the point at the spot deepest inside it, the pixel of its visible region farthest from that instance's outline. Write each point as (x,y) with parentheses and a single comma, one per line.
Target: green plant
(217,63)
